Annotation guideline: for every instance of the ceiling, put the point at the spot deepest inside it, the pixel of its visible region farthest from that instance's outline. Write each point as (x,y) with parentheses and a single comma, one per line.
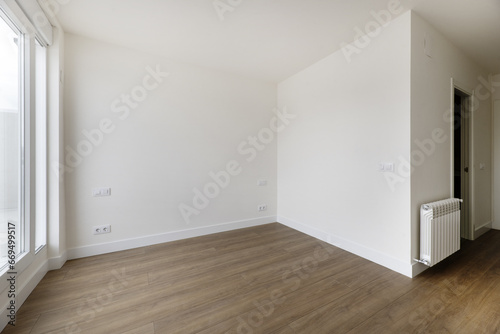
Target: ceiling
(269,39)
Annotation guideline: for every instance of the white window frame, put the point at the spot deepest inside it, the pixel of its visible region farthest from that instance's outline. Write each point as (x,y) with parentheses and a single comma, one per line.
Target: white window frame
(41,150)
(14,16)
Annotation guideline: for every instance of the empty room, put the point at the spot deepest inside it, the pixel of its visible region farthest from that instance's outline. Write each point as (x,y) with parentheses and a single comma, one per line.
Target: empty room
(250,166)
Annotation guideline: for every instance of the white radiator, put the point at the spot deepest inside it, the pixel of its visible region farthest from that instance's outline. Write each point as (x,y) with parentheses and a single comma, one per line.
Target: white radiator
(439,230)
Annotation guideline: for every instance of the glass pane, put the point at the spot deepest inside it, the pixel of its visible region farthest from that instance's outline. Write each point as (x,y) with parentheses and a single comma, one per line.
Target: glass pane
(10,140)
(41,147)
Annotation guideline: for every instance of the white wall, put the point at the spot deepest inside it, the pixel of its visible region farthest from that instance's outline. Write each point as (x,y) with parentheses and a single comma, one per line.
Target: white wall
(153,157)
(430,111)
(56,207)
(496,151)
(350,117)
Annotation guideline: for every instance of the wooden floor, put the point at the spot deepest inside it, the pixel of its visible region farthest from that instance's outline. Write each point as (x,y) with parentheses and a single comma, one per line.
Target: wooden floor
(266,279)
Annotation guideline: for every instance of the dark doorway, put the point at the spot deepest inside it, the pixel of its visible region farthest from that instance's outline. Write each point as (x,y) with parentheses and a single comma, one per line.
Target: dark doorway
(461,147)
(457,145)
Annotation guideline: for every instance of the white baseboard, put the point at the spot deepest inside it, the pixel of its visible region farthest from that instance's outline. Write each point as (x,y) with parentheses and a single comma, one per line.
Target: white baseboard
(479,231)
(487,225)
(57,262)
(352,247)
(23,292)
(495,224)
(91,250)
(418,268)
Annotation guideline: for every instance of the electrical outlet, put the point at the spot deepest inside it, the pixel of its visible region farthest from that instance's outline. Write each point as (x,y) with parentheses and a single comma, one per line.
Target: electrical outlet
(262,183)
(262,207)
(102,229)
(100,192)
(386,167)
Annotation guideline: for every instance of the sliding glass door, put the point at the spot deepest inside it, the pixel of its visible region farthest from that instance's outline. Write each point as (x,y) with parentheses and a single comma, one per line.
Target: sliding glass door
(12,188)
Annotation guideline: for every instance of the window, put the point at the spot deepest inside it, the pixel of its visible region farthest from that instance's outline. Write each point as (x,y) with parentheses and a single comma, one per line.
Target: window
(12,179)
(23,153)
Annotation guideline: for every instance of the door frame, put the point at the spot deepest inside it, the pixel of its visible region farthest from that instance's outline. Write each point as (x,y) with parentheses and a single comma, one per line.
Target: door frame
(469,230)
